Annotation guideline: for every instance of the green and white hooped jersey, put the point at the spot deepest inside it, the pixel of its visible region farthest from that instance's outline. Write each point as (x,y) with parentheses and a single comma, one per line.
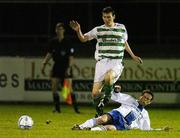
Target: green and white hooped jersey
(110,41)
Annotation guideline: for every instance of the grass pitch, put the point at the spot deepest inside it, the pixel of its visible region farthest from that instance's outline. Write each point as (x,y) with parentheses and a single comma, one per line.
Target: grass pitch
(61,124)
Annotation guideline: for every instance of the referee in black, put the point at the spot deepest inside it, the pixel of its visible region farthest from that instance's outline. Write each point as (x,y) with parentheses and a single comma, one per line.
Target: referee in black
(60,50)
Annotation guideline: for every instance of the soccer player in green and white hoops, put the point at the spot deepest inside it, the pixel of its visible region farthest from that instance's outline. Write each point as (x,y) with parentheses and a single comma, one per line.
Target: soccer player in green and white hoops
(111,43)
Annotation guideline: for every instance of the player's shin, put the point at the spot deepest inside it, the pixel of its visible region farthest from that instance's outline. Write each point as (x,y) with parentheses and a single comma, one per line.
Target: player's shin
(107,89)
(56,100)
(96,100)
(98,128)
(88,124)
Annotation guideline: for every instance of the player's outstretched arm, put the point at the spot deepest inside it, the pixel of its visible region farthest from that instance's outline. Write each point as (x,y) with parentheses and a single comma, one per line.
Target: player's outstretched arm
(76,27)
(135,58)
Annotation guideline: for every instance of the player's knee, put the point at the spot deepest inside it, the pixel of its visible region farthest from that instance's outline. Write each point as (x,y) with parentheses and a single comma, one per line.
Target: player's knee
(54,88)
(102,119)
(110,127)
(95,93)
(108,79)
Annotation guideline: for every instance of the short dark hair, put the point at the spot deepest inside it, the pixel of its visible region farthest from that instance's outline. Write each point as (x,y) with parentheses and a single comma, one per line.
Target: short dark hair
(108,10)
(149,92)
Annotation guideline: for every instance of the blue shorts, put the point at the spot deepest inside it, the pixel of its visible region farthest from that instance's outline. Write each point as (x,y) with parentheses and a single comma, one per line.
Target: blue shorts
(117,120)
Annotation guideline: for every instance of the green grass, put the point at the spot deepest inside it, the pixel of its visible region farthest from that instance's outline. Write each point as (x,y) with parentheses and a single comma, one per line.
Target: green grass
(61,124)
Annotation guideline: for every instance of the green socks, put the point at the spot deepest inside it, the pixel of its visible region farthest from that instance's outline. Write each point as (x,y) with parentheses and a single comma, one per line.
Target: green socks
(102,99)
(96,101)
(108,89)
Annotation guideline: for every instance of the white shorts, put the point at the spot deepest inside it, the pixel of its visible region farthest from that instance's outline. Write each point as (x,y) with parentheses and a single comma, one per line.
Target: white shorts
(104,65)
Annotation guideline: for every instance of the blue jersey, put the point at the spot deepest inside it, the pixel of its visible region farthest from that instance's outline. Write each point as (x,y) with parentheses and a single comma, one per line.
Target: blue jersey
(130,115)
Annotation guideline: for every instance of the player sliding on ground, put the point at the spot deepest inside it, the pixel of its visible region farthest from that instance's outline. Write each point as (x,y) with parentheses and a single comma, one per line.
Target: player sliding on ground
(111,43)
(130,115)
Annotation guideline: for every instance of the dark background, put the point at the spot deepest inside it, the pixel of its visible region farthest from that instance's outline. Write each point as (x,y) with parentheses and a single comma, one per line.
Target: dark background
(26,25)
